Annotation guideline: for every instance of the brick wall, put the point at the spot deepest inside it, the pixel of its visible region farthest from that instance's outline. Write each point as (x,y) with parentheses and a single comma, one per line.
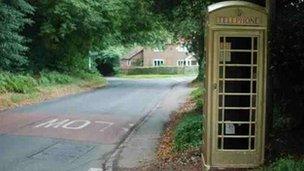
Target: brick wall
(170,55)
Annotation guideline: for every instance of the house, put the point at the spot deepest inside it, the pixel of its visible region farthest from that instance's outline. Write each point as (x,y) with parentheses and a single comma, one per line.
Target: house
(133,59)
(172,55)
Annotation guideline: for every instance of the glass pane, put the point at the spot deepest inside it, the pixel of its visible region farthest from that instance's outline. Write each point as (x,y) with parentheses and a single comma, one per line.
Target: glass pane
(220,129)
(220,115)
(239,42)
(221,87)
(238,57)
(225,55)
(255,55)
(252,146)
(236,129)
(253,116)
(238,72)
(237,86)
(254,74)
(221,72)
(254,101)
(237,115)
(220,101)
(237,101)
(236,143)
(219,143)
(255,43)
(254,87)
(252,129)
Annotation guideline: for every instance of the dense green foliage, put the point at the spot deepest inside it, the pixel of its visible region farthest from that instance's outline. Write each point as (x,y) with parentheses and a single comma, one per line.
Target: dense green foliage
(53,78)
(188,133)
(286,164)
(287,66)
(108,60)
(61,34)
(186,20)
(17,83)
(197,97)
(286,81)
(26,83)
(12,44)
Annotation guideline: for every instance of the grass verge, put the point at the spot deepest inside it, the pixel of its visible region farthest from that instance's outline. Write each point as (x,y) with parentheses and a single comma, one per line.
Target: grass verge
(180,145)
(22,89)
(151,76)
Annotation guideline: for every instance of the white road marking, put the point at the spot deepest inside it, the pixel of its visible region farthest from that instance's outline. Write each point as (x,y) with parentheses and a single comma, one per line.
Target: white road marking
(109,124)
(52,123)
(95,169)
(131,125)
(73,124)
(84,124)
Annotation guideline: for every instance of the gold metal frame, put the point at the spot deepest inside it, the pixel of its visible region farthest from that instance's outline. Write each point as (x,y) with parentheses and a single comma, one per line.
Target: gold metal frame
(223,158)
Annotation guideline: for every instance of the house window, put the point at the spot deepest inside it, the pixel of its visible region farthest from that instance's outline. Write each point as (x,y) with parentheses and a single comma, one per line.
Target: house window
(194,63)
(181,63)
(158,62)
(129,62)
(187,63)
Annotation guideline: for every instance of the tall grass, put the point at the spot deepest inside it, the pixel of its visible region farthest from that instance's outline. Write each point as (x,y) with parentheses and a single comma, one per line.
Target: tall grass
(26,83)
(17,83)
(51,78)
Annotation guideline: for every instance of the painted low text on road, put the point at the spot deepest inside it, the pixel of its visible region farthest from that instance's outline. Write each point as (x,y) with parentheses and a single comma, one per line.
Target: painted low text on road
(73,124)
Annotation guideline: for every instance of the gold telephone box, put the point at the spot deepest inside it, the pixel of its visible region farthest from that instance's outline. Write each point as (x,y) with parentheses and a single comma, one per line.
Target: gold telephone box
(236,46)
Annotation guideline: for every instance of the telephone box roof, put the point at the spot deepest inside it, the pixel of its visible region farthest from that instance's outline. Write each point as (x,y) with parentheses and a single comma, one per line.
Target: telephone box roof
(225,4)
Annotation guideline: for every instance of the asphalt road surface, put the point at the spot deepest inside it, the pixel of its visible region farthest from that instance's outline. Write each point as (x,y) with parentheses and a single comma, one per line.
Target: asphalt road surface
(80,132)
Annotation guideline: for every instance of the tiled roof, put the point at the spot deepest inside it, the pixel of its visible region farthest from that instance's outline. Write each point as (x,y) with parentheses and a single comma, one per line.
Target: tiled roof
(132,53)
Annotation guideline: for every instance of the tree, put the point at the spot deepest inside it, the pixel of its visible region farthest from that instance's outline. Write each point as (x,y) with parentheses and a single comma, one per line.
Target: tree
(65,31)
(186,20)
(12,43)
(288,62)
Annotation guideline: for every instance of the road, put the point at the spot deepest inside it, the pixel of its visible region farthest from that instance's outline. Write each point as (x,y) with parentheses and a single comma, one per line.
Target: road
(80,132)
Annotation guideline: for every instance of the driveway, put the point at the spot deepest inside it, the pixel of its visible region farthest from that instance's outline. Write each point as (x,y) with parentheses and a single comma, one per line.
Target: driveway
(80,132)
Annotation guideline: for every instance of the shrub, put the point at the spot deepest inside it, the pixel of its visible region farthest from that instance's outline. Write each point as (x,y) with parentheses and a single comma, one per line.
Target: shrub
(51,78)
(20,83)
(188,133)
(197,96)
(88,75)
(287,164)
(160,70)
(17,83)
(2,83)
